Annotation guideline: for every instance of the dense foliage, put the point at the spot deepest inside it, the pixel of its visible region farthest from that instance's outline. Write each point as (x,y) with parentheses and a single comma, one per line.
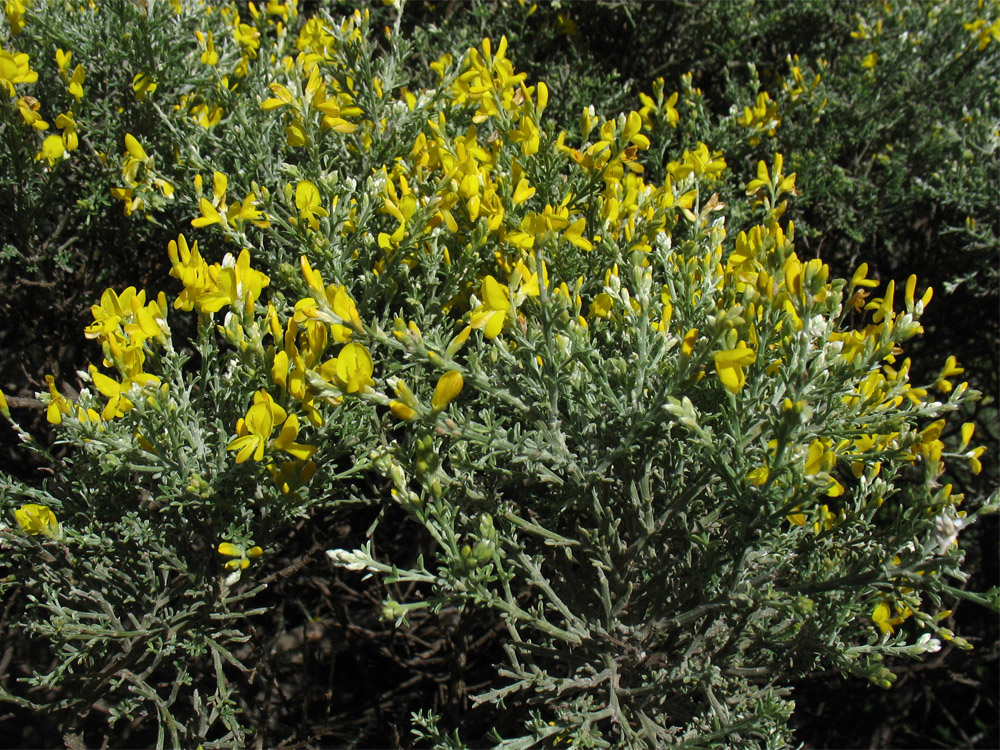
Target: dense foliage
(553,361)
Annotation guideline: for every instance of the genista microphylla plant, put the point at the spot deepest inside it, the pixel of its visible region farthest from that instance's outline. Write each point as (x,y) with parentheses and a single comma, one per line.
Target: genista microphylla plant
(677,462)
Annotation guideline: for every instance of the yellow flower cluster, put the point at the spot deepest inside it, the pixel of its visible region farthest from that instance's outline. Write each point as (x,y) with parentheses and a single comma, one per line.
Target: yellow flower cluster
(984,32)
(255,430)
(499,303)
(658,106)
(313,102)
(798,88)
(240,559)
(125,325)
(219,211)
(140,177)
(888,617)
(15,68)
(300,373)
(242,556)
(209,288)
(762,118)
(15,11)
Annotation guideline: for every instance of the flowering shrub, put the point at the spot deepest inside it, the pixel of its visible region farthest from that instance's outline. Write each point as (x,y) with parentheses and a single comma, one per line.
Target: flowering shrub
(677,462)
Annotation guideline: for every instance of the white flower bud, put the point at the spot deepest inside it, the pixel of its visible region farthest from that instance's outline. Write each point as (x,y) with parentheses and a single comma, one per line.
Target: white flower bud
(356,560)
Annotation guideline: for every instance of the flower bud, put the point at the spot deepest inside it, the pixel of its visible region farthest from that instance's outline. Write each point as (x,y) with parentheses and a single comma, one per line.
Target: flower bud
(448,387)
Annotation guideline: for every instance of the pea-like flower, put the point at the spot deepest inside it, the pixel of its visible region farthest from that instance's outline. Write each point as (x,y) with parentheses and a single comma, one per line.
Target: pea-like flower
(241,556)
(729,365)
(254,430)
(241,559)
(351,371)
(490,315)
(38,519)
(286,440)
(448,387)
(309,203)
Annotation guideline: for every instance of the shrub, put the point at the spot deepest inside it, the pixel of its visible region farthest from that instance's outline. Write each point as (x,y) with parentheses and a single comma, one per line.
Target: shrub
(887,112)
(676,462)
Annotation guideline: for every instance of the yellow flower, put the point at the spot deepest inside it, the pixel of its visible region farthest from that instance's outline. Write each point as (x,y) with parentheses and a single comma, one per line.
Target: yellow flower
(274,8)
(143,85)
(819,457)
(208,216)
(459,341)
(883,617)
(401,410)
(15,68)
(246,210)
(254,430)
(67,125)
(76,83)
(523,191)
(63,60)
(248,37)
(15,15)
(282,97)
(700,163)
(58,404)
(118,404)
(774,178)
(53,149)
(882,306)
(974,463)
(601,306)
(967,431)
(339,309)
(525,282)
(295,134)
(243,556)
(729,365)
(208,56)
(30,109)
(490,316)
(134,148)
(950,369)
(286,440)
(233,281)
(687,344)
(763,116)
(307,200)
(38,519)
(353,369)
(191,269)
(291,475)
(860,278)
(930,446)
(448,387)
(982,32)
